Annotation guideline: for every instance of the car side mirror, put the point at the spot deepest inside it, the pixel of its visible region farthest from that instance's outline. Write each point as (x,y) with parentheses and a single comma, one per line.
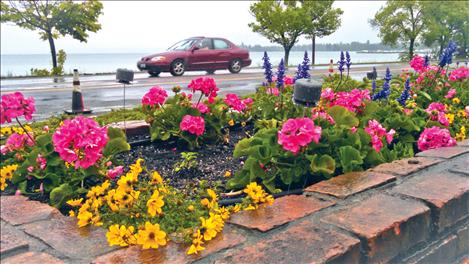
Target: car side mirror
(195,48)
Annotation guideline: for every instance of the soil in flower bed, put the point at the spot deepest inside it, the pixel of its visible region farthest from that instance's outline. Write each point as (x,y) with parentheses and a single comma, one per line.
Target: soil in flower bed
(213,161)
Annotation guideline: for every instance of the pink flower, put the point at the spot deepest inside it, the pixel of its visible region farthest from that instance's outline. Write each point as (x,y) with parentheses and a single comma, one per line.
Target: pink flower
(418,64)
(248,101)
(233,101)
(17,141)
(435,137)
(189,96)
(30,169)
(451,94)
(155,96)
(467,110)
(459,74)
(298,132)
(193,124)
(41,161)
(437,113)
(81,141)
(327,94)
(273,91)
(45,128)
(3,149)
(203,109)
(353,130)
(354,100)
(322,115)
(113,173)
(377,132)
(15,105)
(18,192)
(287,80)
(205,85)
(108,164)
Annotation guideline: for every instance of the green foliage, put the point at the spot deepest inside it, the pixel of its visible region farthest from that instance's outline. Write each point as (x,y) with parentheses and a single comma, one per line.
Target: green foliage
(117,115)
(269,107)
(117,142)
(189,161)
(59,70)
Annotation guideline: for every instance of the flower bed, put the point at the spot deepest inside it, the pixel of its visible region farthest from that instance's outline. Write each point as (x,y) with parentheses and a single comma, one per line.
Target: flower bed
(355,126)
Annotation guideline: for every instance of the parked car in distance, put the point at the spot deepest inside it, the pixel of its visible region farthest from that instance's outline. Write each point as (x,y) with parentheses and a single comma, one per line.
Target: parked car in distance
(196,54)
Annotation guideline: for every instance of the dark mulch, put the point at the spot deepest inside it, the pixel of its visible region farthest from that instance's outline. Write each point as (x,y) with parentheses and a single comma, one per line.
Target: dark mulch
(212,160)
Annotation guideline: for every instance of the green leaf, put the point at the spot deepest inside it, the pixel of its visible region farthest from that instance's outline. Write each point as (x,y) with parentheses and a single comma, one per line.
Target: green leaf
(343,117)
(59,195)
(323,165)
(116,145)
(43,140)
(350,159)
(51,181)
(242,148)
(113,132)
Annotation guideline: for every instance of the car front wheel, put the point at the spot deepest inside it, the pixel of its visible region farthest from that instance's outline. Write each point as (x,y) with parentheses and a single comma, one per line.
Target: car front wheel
(177,68)
(235,66)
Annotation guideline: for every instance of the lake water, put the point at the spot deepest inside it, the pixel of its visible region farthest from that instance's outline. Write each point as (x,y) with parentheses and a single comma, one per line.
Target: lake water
(14,65)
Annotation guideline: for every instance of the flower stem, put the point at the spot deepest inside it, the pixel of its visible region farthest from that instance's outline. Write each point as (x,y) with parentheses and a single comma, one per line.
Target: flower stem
(26,132)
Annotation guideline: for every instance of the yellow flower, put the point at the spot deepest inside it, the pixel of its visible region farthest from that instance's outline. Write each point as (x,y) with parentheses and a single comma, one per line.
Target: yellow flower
(71,213)
(236,208)
(250,207)
(212,194)
(121,236)
(156,178)
(126,182)
(190,208)
(98,191)
(75,202)
(96,220)
(224,213)
(126,198)
(6,173)
(205,202)
(257,195)
(84,218)
(450,118)
(111,200)
(243,124)
(227,173)
(208,228)
(155,203)
(231,122)
(456,100)
(461,113)
(3,184)
(461,135)
(197,242)
(151,236)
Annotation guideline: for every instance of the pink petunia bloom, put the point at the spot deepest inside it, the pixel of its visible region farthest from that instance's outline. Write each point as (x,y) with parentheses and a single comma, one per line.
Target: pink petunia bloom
(114,173)
(451,93)
(15,105)
(80,141)
(418,64)
(437,112)
(203,109)
(377,132)
(273,91)
(41,161)
(435,137)
(233,101)
(205,85)
(459,74)
(155,96)
(322,115)
(298,132)
(193,124)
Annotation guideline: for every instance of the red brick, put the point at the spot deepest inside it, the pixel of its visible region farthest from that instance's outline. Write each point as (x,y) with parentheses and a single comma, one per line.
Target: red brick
(18,210)
(460,166)
(32,258)
(463,240)
(10,243)
(465,260)
(446,153)
(351,183)
(390,225)
(447,193)
(407,166)
(441,252)
(134,127)
(284,210)
(62,234)
(306,242)
(171,253)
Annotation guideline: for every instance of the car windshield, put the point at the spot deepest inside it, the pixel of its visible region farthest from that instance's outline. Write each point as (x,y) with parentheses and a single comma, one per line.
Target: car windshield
(183,44)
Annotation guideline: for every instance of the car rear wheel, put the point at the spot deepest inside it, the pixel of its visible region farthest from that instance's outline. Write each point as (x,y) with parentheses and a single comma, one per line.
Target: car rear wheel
(177,68)
(235,66)
(154,73)
(210,71)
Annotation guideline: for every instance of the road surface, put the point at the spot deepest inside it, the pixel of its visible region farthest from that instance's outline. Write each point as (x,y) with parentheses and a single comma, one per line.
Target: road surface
(102,93)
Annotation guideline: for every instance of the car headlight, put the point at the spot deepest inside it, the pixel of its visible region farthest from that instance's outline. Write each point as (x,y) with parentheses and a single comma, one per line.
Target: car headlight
(158,58)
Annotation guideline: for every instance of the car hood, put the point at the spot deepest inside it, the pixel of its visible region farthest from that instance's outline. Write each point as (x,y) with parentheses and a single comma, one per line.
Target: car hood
(165,54)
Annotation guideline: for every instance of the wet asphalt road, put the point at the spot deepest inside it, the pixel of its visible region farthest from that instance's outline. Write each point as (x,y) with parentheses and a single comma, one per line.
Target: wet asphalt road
(103,93)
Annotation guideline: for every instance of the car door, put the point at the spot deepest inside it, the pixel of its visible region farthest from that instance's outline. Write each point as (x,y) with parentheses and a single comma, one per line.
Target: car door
(202,57)
(222,53)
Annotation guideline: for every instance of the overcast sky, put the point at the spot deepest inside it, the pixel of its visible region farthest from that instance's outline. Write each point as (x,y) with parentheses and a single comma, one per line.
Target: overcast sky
(151,26)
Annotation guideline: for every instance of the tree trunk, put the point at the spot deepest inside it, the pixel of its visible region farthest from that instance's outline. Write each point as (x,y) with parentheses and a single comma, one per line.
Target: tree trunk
(411,49)
(313,54)
(287,54)
(52,50)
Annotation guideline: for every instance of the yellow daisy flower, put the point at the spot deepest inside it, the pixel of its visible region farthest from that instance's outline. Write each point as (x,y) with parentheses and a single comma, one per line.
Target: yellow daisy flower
(151,236)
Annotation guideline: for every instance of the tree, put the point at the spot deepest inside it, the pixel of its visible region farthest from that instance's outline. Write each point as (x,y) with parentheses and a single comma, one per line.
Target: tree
(281,22)
(325,21)
(54,19)
(447,20)
(400,22)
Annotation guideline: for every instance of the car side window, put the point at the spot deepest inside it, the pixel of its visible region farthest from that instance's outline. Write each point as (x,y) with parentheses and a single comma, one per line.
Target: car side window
(205,44)
(220,44)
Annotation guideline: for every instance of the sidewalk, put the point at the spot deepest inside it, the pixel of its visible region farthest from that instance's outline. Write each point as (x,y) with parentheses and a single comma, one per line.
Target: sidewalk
(409,211)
